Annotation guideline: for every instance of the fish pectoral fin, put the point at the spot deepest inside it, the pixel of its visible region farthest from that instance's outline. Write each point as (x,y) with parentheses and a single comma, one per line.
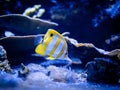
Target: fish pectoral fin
(50,58)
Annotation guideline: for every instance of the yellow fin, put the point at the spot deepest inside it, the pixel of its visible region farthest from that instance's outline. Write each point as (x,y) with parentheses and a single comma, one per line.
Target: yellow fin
(39,50)
(50,58)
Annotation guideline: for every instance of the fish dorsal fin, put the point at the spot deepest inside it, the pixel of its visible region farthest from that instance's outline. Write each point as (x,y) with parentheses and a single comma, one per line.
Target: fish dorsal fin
(65,33)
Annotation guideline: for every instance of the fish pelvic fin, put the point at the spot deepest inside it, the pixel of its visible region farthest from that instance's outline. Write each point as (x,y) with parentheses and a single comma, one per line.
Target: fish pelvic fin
(50,58)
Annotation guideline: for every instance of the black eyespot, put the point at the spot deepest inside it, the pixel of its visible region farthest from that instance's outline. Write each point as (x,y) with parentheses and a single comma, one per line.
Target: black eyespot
(51,35)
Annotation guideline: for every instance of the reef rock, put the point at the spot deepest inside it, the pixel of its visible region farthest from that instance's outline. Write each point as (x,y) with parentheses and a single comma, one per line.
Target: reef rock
(24,71)
(103,70)
(4,63)
(3,54)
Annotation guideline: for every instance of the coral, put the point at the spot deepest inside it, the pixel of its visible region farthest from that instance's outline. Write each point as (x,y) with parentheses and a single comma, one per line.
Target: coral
(3,54)
(113,10)
(4,63)
(35,11)
(4,66)
(64,75)
(26,24)
(113,42)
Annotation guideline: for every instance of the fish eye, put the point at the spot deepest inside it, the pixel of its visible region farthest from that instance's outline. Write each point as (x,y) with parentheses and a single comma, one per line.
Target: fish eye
(51,35)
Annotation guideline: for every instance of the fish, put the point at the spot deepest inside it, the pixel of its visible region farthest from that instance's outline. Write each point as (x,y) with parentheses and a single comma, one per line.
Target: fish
(25,25)
(53,46)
